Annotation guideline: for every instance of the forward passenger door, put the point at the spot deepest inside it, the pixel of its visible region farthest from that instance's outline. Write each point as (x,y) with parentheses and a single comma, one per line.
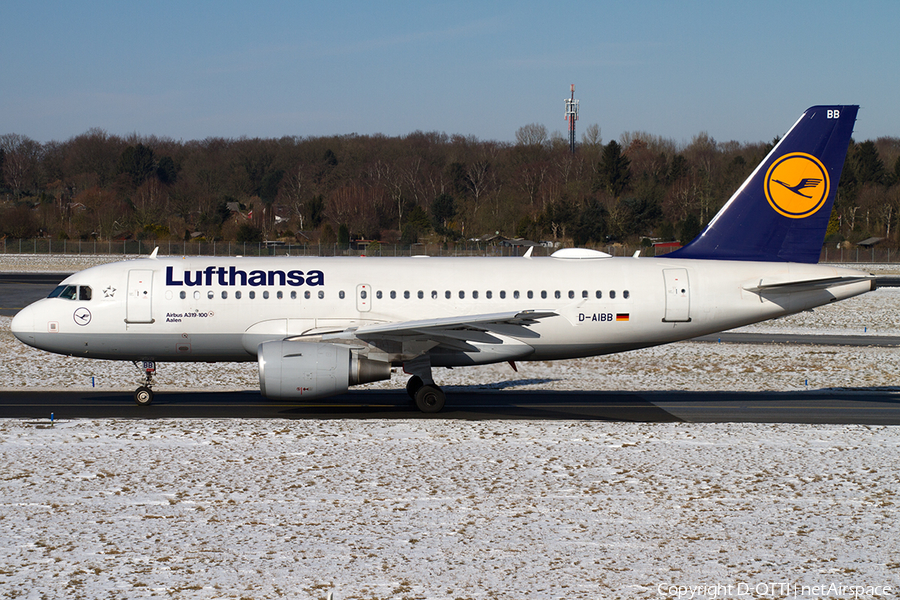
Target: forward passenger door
(138,303)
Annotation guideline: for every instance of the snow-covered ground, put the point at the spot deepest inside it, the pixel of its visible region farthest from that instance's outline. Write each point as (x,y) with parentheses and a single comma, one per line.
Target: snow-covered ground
(445,509)
(55,263)
(459,509)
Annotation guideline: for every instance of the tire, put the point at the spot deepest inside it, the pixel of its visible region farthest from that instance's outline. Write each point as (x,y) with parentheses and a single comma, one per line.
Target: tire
(430,399)
(143,396)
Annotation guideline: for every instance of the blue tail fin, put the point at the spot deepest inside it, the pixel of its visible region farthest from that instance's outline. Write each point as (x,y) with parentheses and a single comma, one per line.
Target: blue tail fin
(781,211)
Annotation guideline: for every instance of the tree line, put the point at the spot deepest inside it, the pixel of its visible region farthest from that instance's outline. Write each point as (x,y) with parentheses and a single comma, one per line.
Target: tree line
(424,186)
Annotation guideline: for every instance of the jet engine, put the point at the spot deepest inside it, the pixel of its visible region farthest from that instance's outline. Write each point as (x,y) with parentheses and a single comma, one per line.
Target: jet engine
(310,370)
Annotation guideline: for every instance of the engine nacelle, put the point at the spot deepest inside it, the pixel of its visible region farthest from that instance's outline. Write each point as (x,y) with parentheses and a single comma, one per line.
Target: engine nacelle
(309,370)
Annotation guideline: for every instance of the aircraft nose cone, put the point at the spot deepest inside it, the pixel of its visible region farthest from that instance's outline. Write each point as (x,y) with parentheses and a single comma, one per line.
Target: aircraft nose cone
(22,325)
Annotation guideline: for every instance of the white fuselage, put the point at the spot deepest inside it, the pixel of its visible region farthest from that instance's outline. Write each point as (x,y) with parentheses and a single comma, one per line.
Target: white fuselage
(221,309)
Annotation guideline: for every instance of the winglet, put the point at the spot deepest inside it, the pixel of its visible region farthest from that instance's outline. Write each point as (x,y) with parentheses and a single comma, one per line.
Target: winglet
(781,211)
(154,253)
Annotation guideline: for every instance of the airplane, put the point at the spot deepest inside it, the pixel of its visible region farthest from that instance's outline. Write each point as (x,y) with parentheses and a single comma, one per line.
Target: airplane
(317,326)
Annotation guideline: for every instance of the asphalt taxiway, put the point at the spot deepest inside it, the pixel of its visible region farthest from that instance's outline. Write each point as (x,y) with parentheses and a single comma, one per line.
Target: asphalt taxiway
(869,406)
(18,290)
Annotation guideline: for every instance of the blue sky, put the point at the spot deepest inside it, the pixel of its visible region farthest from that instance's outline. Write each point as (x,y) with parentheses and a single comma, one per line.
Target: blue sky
(190,70)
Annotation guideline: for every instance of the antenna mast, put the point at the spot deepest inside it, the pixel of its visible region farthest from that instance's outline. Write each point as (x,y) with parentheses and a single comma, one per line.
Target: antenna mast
(571,117)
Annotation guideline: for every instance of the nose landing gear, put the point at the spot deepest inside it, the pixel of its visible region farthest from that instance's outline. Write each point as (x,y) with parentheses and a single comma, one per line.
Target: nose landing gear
(143,396)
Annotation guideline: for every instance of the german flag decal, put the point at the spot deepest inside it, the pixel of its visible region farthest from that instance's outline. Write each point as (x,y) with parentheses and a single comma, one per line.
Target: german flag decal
(621,316)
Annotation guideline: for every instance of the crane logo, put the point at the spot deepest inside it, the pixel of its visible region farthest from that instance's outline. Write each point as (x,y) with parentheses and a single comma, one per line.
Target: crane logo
(82,316)
(797,185)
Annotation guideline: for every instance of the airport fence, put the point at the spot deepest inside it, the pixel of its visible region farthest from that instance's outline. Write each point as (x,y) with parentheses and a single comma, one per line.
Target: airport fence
(135,248)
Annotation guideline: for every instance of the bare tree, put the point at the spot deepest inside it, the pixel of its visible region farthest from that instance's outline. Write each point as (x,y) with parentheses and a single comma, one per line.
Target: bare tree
(530,178)
(591,137)
(533,134)
(478,178)
(21,157)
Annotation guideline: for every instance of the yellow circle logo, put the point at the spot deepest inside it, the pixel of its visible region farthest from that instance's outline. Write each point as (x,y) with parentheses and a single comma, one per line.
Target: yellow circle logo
(797,185)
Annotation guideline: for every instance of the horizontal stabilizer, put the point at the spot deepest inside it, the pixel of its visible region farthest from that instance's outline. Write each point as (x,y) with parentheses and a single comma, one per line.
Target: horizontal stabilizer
(788,287)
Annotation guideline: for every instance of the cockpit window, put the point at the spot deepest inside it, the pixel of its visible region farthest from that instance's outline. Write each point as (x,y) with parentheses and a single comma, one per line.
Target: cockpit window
(71,292)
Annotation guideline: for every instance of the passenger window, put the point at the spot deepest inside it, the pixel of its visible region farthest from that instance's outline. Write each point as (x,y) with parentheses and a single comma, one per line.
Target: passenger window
(321,295)
(599,294)
(502,295)
(279,294)
(612,294)
(252,295)
(197,295)
(363,294)
(488,294)
(183,294)
(306,294)
(237,295)
(571,294)
(447,294)
(475,295)
(378,294)
(406,295)
(210,294)
(557,295)
(530,294)
(341,294)
(516,294)
(584,293)
(462,295)
(625,294)
(266,295)
(543,294)
(420,294)
(293,294)
(224,295)
(434,294)
(84,293)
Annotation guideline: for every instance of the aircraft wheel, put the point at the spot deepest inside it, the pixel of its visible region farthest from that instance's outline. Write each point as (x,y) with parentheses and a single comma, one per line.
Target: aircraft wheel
(143,396)
(430,399)
(414,384)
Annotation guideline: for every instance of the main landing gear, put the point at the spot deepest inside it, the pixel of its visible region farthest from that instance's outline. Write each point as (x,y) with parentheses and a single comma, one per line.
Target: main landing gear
(428,398)
(426,395)
(143,396)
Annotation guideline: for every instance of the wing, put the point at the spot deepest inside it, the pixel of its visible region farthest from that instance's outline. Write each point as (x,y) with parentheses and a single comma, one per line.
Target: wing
(450,332)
